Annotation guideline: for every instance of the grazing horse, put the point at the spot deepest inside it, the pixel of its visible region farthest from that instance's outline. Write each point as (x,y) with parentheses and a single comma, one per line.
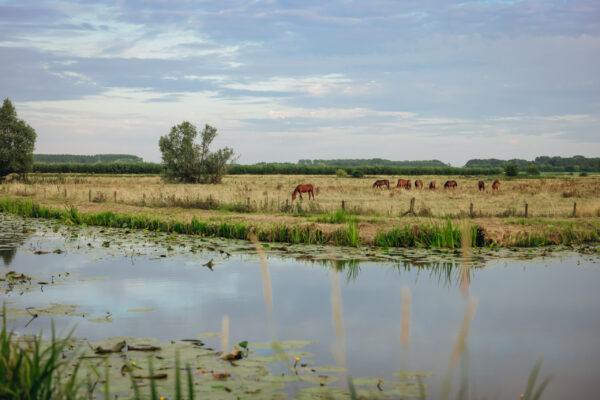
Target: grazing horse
(404,183)
(418,184)
(450,184)
(496,185)
(432,185)
(481,185)
(303,189)
(381,183)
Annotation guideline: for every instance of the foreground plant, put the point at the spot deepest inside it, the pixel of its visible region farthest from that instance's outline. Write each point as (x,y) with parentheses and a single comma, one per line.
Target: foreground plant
(31,370)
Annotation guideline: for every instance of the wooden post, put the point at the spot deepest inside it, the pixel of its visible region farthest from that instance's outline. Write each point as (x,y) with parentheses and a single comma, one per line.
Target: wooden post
(526,209)
(574,209)
(90,196)
(65,193)
(471,210)
(115,196)
(411,210)
(343,205)
(144,198)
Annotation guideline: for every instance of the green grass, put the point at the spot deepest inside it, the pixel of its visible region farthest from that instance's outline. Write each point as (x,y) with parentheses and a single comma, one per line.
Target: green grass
(31,370)
(345,236)
(431,235)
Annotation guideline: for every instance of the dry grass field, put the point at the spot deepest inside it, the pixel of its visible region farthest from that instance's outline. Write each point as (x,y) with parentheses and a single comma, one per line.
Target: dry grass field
(267,199)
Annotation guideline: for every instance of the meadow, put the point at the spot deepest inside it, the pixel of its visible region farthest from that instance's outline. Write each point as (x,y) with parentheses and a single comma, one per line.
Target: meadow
(546,205)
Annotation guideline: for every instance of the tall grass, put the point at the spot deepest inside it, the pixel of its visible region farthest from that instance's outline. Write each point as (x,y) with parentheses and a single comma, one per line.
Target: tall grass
(32,370)
(296,234)
(430,235)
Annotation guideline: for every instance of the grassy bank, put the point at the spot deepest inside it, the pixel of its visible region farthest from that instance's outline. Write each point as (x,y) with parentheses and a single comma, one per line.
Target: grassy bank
(335,229)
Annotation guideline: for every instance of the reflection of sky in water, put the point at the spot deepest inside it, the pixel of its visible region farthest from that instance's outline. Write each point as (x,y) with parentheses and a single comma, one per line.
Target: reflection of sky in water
(525,309)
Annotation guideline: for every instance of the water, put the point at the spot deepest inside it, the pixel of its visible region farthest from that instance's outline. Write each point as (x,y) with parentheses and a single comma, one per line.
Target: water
(525,308)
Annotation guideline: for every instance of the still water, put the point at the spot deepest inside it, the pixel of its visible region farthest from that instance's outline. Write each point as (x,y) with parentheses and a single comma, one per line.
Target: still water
(524,307)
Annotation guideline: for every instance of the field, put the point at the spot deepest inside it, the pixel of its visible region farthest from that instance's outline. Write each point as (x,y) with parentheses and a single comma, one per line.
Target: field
(524,211)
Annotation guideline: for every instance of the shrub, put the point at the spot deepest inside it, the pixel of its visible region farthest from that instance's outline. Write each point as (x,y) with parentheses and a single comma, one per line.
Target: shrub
(357,173)
(532,170)
(511,170)
(340,173)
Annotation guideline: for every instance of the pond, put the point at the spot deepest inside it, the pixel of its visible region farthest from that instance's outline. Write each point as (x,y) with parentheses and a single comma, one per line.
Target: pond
(378,311)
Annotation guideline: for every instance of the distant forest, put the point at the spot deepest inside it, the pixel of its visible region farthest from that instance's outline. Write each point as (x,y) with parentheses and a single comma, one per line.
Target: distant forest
(130,164)
(371,162)
(543,163)
(81,159)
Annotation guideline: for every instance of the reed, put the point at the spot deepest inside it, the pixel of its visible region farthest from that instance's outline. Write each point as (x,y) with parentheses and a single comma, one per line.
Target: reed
(33,370)
(429,235)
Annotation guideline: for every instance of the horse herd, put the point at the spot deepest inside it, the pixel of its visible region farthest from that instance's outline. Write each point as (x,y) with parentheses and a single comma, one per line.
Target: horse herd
(402,183)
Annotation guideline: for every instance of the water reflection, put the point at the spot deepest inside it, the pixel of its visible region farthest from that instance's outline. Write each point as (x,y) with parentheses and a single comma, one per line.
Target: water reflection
(446,274)
(7,254)
(13,234)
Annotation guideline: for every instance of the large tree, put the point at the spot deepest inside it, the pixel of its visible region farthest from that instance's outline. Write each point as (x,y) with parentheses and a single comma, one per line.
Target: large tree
(187,161)
(17,141)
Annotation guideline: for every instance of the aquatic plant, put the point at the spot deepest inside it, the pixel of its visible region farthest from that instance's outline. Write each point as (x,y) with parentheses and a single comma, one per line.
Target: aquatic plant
(428,235)
(32,370)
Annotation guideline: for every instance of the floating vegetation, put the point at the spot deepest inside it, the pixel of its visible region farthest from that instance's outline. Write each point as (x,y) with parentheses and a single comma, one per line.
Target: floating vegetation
(142,368)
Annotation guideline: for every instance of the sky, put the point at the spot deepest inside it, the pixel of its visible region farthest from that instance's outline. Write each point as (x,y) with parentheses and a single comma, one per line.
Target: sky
(289,80)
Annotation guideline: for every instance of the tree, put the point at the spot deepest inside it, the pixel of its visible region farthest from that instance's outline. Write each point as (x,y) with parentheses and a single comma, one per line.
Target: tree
(187,161)
(532,169)
(17,141)
(511,170)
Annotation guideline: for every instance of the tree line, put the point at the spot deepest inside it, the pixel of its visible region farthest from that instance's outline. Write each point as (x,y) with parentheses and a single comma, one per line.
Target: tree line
(542,163)
(262,169)
(86,159)
(372,162)
(100,168)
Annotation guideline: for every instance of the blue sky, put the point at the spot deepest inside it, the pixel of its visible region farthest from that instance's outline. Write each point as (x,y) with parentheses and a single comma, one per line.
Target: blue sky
(285,80)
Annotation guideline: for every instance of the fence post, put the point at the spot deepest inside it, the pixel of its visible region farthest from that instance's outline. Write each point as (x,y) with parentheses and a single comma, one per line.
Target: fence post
(115,196)
(144,198)
(90,196)
(343,205)
(411,210)
(471,210)
(65,193)
(574,208)
(526,209)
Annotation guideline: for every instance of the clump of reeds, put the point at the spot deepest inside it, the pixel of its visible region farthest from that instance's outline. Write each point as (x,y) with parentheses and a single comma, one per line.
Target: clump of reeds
(428,235)
(32,370)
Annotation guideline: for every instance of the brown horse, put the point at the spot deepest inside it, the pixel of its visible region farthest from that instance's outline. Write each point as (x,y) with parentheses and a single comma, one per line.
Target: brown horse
(380,183)
(450,184)
(496,185)
(418,184)
(432,185)
(404,183)
(303,189)
(481,185)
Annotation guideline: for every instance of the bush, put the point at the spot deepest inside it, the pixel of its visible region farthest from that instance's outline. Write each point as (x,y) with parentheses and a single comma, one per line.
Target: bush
(340,173)
(511,170)
(357,173)
(532,170)
(583,173)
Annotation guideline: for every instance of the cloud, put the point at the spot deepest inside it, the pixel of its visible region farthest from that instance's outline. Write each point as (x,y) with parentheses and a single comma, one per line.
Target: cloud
(361,78)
